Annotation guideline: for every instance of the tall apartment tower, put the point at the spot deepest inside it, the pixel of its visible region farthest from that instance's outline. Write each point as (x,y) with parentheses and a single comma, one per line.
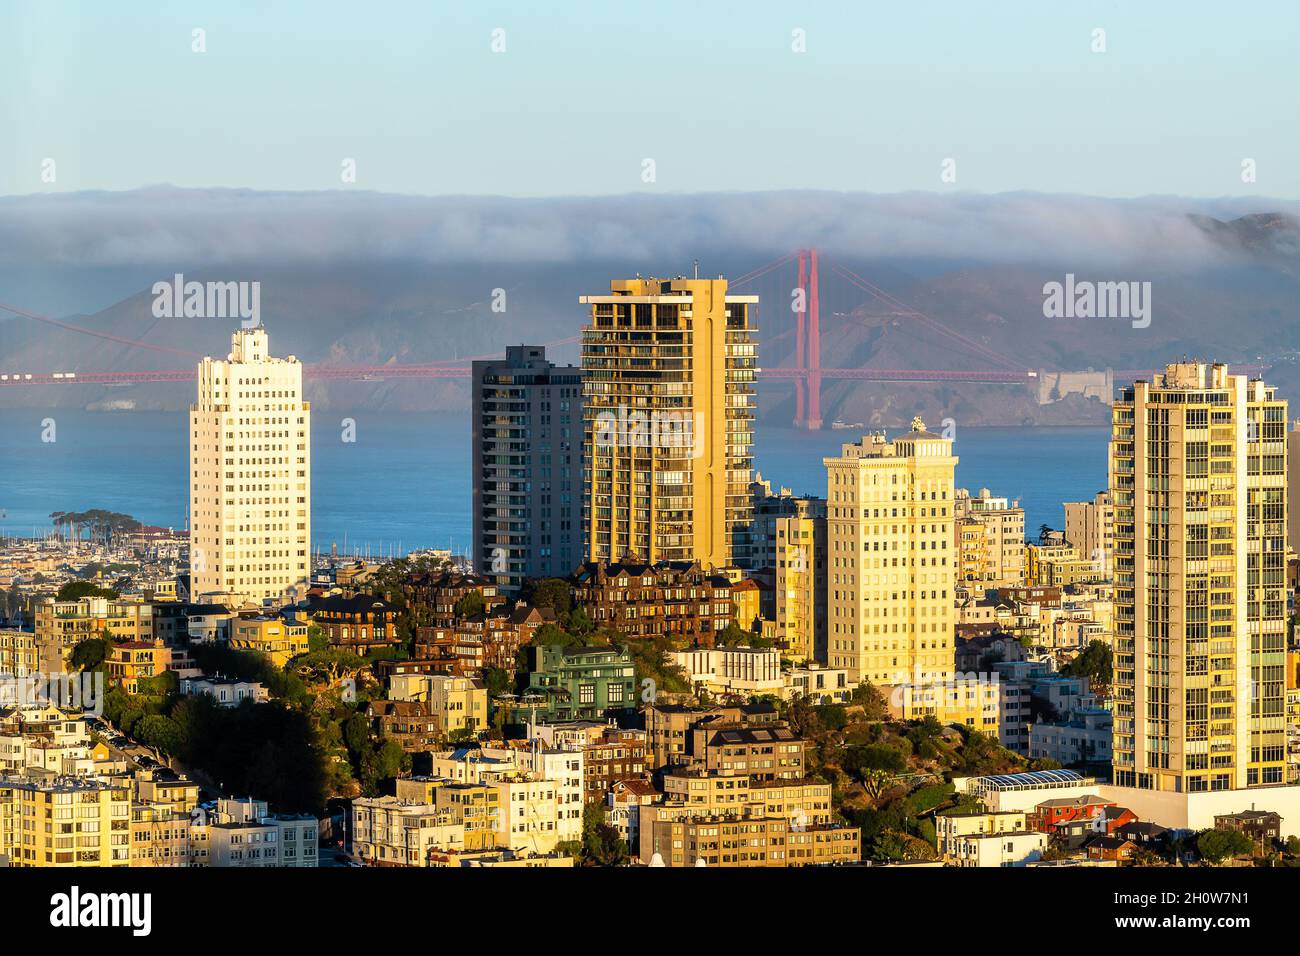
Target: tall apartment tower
(527,463)
(1198,482)
(668,375)
(250,475)
(892,567)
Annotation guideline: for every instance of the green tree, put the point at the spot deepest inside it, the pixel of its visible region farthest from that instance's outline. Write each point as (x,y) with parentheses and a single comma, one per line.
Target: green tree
(1219,845)
(1093,663)
(859,759)
(471,605)
(601,843)
(75,590)
(551,593)
(89,654)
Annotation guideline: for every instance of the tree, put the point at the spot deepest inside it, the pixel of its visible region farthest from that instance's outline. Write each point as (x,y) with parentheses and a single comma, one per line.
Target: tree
(601,843)
(733,635)
(317,639)
(75,590)
(471,605)
(1219,845)
(552,593)
(859,759)
(89,654)
(1094,664)
(159,732)
(873,704)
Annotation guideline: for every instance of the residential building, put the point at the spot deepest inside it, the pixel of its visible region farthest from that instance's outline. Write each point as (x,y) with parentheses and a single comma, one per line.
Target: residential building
(1199,482)
(682,601)
(580,682)
(411,724)
(1090,528)
(821,685)
(243,833)
(892,574)
(459,704)
(64,821)
(1000,546)
(747,671)
(527,467)
(250,475)
(226,691)
(277,637)
(387,831)
(952,827)
(670,727)
(359,624)
(130,662)
(998,849)
(668,371)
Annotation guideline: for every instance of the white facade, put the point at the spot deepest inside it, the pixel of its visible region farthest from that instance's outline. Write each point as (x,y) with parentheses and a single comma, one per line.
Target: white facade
(739,670)
(250,475)
(999,849)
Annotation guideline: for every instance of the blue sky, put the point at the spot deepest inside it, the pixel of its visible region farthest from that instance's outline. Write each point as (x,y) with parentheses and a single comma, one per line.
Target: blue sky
(711,91)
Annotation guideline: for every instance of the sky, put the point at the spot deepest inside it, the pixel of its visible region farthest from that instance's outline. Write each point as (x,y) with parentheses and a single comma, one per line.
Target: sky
(582,94)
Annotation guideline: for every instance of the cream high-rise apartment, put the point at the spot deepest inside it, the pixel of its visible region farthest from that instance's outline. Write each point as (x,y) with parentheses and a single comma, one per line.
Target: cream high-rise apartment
(250,474)
(1198,483)
(891,560)
(668,370)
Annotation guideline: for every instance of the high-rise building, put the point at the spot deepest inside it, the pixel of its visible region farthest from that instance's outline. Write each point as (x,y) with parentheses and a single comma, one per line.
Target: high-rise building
(1090,527)
(789,537)
(527,465)
(1198,482)
(250,475)
(668,376)
(1000,560)
(891,561)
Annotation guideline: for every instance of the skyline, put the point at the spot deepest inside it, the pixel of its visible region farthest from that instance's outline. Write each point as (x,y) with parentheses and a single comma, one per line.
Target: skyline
(779,438)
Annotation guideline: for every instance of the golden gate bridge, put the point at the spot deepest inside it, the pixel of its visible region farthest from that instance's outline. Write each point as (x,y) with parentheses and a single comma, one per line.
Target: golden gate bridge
(807,373)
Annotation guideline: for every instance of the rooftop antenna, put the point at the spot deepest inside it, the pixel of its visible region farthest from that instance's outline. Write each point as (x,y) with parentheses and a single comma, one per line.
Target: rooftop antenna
(697,268)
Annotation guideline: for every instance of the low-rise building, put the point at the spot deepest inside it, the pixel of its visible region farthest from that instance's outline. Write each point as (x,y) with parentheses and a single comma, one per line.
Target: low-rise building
(746,671)
(998,849)
(273,635)
(951,828)
(459,703)
(821,685)
(580,682)
(226,691)
(130,662)
(387,831)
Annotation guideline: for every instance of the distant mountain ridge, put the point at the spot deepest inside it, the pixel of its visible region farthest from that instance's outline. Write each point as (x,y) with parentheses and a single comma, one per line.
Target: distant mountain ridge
(1224,287)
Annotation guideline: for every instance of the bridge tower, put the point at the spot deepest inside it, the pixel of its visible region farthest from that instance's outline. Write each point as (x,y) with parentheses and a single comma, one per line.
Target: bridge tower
(808,350)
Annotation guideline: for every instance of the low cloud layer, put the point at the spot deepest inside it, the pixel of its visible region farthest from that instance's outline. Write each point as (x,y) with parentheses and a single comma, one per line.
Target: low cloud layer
(165,225)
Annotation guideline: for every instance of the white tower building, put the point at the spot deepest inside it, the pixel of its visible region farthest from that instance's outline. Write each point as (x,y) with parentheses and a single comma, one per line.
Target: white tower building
(250,475)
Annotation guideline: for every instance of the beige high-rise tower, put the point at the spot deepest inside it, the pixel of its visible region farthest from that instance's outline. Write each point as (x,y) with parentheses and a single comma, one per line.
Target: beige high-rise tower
(1198,485)
(668,369)
(250,474)
(891,560)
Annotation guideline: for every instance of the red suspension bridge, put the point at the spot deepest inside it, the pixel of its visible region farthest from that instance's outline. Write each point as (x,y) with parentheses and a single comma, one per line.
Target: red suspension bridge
(983,364)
